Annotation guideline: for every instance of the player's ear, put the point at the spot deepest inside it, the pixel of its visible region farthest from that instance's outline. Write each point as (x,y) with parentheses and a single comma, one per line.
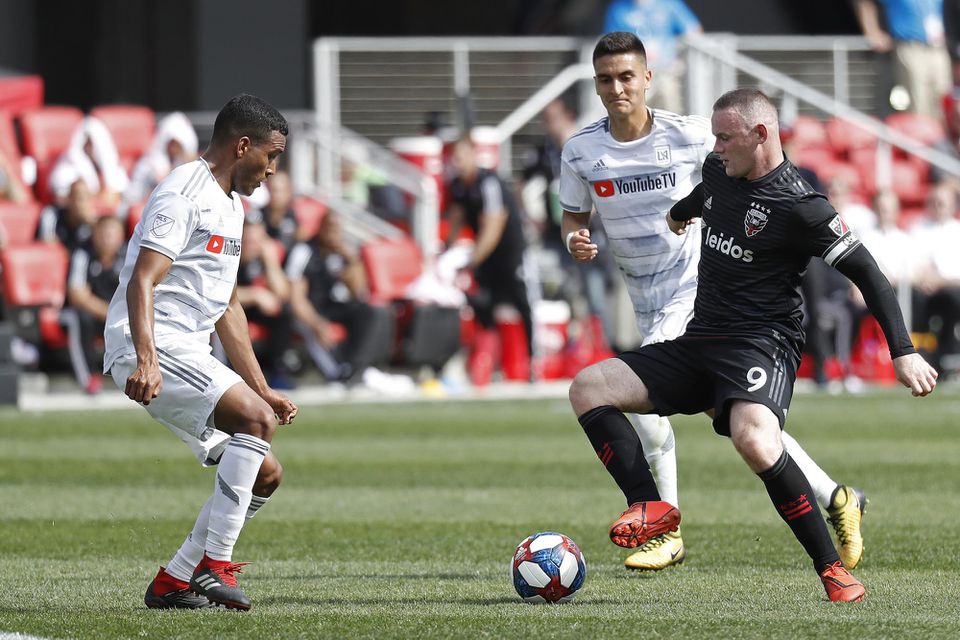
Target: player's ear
(243,145)
(762,132)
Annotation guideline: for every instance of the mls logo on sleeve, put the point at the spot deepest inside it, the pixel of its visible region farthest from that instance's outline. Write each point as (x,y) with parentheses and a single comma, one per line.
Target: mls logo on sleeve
(756,219)
(663,155)
(161,225)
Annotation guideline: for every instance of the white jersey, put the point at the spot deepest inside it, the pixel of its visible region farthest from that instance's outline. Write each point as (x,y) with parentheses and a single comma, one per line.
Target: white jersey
(632,185)
(193,222)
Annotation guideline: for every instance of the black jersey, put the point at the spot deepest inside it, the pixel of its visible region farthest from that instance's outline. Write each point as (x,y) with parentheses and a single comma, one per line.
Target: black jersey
(86,269)
(489,193)
(758,236)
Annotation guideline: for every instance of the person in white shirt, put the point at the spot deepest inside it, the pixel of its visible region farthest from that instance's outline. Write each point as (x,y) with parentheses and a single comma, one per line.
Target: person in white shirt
(633,166)
(178,285)
(92,157)
(175,143)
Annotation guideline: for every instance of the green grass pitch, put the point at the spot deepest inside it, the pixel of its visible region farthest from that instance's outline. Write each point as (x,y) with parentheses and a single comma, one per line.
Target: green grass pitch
(398,521)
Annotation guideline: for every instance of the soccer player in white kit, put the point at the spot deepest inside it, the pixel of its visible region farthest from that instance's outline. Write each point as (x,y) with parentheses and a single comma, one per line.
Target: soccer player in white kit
(632,166)
(177,286)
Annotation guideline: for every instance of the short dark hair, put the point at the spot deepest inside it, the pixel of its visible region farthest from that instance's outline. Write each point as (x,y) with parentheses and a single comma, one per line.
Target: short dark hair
(247,115)
(752,104)
(619,42)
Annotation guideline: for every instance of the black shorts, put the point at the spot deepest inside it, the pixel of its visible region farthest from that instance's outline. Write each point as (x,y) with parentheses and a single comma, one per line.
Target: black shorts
(692,374)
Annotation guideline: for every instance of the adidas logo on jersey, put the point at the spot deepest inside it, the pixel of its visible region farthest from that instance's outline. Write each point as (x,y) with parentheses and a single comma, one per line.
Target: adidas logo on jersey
(599,166)
(708,203)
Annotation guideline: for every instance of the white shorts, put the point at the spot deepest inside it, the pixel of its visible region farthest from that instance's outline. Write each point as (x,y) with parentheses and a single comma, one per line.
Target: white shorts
(669,322)
(193,383)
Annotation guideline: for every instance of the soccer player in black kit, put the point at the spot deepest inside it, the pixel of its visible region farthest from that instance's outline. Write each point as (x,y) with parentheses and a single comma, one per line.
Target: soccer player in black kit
(738,359)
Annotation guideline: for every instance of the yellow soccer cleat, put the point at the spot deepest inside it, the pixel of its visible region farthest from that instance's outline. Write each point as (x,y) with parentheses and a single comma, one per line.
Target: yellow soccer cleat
(658,553)
(847,505)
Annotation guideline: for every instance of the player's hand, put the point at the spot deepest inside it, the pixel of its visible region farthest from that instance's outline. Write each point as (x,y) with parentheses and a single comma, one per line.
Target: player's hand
(581,247)
(680,227)
(269,303)
(282,406)
(914,372)
(144,383)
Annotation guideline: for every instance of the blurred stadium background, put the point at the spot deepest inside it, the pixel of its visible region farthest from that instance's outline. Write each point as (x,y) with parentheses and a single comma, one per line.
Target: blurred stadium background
(375,95)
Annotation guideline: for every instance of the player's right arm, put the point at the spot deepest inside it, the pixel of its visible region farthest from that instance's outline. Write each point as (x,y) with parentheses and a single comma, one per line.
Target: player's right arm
(145,382)
(577,203)
(576,235)
(685,211)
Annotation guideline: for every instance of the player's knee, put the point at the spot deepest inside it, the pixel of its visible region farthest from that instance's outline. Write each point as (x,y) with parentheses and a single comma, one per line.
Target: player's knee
(269,476)
(585,390)
(758,447)
(259,421)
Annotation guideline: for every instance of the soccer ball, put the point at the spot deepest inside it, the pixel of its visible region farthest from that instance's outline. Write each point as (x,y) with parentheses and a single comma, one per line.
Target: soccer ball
(548,567)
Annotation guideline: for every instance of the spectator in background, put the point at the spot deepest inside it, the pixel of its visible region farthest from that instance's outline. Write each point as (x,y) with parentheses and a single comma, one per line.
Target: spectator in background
(72,223)
(264,293)
(93,278)
(329,285)
(951,27)
(480,200)
(937,275)
(915,35)
(660,24)
(888,244)
(10,188)
(92,157)
(857,215)
(174,143)
(278,216)
(594,278)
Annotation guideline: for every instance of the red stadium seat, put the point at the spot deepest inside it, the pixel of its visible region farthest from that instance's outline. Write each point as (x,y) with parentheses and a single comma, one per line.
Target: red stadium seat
(19,222)
(909,182)
(910,216)
(391,266)
(846,137)
(132,128)
(843,170)
(46,135)
(813,158)
(309,213)
(807,132)
(134,213)
(11,150)
(35,278)
(924,129)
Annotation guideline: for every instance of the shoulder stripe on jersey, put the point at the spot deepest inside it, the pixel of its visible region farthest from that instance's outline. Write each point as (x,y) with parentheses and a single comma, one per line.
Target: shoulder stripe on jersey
(840,249)
(193,176)
(590,128)
(195,189)
(298,259)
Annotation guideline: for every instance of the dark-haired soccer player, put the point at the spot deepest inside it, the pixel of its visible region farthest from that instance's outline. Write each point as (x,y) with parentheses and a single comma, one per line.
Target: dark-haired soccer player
(738,358)
(177,286)
(632,166)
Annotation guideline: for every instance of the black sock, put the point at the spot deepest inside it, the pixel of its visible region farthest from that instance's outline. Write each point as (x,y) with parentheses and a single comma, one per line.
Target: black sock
(618,447)
(791,494)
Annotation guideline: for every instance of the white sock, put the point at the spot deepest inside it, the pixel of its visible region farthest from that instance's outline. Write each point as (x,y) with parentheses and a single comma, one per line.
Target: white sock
(659,448)
(822,484)
(255,503)
(186,559)
(236,475)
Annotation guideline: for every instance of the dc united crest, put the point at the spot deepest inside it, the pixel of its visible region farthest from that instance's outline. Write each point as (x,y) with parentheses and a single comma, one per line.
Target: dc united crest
(756,219)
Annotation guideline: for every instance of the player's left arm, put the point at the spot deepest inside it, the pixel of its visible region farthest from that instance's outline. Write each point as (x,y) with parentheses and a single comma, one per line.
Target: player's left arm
(823,233)
(685,211)
(235,336)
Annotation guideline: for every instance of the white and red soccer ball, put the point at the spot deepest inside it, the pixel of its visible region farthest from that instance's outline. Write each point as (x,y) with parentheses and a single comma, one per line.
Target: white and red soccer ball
(548,567)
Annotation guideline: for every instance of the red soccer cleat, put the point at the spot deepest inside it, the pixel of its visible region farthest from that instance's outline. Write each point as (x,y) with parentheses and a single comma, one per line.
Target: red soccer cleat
(642,521)
(840,585)
(167,592)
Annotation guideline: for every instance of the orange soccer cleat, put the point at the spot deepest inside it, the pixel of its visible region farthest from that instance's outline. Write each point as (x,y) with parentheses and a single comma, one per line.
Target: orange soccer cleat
(642,521)
(840,585)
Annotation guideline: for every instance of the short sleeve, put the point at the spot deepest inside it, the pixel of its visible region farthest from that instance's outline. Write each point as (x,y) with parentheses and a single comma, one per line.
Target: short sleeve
(574,189)
(492,196)
(297,261)
(168,222)
(79,262)
(818,230)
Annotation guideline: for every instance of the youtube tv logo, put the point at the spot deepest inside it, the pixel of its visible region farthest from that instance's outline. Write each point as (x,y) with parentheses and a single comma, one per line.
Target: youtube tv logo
(604,188)
(215,245)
